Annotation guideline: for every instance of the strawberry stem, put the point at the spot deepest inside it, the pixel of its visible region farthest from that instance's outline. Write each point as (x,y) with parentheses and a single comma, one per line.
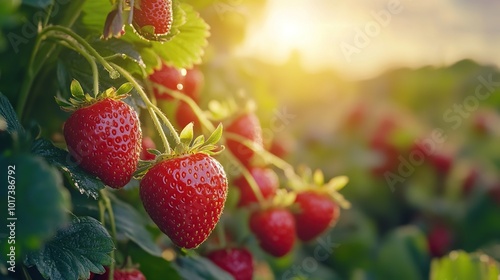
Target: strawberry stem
(248,176)
(32,69)
(268,157)
(152,109)
(109,208)
(221,234)
(112,72)
(102,210)
(196,109)
(90,59)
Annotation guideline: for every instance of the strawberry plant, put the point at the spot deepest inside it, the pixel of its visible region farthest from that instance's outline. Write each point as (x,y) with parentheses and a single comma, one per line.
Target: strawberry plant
(101,177)
(137,141)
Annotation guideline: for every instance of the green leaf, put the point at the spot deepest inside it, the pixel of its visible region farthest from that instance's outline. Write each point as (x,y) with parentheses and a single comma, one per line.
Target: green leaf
(39,200)
(215,136)
(9,115)
(125,54)
(187,47)
(199,268)
(132,225)
(403,255)
(94,14)
(37,3)
(81,180)
(459,265)
(76,250)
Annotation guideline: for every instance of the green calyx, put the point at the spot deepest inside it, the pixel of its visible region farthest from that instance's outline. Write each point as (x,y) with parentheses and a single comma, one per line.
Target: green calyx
(309,181)
(186,146)
(80,99)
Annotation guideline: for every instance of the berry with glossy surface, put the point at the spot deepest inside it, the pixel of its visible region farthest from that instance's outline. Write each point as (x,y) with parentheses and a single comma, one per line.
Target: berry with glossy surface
(316,212)
(105,139)
(169,77)
(185,196)
(248,127)
(238,262)
(122,274)
(266,180)
(155,13)
(275,230)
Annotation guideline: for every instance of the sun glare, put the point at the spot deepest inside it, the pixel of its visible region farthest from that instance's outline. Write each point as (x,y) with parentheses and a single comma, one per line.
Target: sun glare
(282,30)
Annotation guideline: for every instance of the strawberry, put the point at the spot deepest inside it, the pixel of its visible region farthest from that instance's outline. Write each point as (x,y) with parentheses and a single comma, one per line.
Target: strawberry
(238,262)
(316,213)
(185,195)
(248,127)
(275,230)
(442,162)
(147,143)
(192,83)
(103,134)
(169,77)
(279,148)
(122,274)
(266,179)
(439,239)
(185,115)
(152,17)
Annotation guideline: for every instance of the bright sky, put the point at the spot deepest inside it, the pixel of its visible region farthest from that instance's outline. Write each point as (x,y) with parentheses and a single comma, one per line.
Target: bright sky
(346,34)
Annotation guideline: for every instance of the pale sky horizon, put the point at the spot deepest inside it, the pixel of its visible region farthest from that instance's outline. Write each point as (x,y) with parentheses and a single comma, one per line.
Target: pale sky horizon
(349,36)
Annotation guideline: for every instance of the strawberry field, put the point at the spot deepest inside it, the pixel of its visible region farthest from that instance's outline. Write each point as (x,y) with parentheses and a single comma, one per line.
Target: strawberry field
(138,142)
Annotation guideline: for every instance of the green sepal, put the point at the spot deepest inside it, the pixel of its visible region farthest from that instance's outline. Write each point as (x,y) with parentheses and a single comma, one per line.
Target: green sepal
(187,134)
(215,136)
(77,90)
(80,99)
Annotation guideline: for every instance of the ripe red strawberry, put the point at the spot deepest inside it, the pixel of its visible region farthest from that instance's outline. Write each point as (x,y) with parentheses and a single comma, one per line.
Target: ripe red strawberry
(185,115)
(442,162)
(122,274)
(316,213)
(169,77)
(192,83)
(105,139)
(248,127)
(439,239)
(238,262)
(147,143)
(275,230)
(266,179)
(185,196)
(280,148)
(154,13)
(470,181)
